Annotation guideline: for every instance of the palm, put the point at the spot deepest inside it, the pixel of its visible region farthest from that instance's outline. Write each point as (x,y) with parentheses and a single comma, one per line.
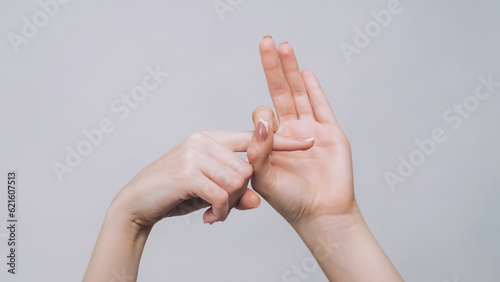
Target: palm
(304,183)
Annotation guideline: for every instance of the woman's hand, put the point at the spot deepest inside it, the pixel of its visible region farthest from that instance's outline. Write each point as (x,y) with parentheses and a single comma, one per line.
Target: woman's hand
(313,190)
(305,185)
(201,171)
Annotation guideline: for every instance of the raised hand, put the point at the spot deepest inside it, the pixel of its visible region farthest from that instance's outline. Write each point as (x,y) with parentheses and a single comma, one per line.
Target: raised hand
(301,185)
(313,190)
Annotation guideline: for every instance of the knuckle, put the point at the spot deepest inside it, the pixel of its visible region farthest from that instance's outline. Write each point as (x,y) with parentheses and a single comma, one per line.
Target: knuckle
(186,172)
(210,190)
(190,155)
(242,167)
(233,164)
(237,181)
(222,197)
(223,177)
(196,138)
(252,154)
(247,170)
(204,132)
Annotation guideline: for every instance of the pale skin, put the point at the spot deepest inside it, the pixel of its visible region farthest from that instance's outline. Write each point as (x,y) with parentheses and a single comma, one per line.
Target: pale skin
(309,182)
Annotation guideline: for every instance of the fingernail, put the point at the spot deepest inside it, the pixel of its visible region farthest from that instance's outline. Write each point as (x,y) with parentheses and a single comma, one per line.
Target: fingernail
(284,42)
(261,130)
(310,139)
(267,36)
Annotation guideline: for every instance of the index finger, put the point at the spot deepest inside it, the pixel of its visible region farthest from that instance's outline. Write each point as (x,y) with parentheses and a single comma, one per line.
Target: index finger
(238,141)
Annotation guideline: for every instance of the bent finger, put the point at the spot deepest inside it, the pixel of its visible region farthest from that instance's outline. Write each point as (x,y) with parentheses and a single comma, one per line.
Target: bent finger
(216,196)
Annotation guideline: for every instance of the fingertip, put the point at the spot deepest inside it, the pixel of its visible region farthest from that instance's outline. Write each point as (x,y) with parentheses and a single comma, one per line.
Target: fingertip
(310,79)
(257,201)
(283,143)
(265,123)
(306,70)
(285,49)
(209,216)
(267,44)
(261,110)
(249,200)
(309,143)
(305,145)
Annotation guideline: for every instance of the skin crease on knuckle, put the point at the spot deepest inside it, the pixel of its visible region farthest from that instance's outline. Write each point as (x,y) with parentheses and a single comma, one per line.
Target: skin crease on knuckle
(196,139)
(185,168)
(252,154)
(236,181)
(242,166)
(247,170)
(236,166)
(190,156)
(205,132)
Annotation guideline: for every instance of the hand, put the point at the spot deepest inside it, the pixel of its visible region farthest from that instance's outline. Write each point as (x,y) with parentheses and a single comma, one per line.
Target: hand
(305,185)
(313,190)
(201,171)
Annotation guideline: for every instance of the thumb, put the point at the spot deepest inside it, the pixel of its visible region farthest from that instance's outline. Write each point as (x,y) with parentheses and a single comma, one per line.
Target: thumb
(249,200)
(260,148)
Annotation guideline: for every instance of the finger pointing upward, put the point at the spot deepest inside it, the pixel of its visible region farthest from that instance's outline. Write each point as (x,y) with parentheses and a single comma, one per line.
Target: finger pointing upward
(295,81)
(276,80)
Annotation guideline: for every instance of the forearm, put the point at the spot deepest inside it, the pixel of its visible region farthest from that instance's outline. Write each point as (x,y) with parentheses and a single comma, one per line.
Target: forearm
(118,250)
(346,250)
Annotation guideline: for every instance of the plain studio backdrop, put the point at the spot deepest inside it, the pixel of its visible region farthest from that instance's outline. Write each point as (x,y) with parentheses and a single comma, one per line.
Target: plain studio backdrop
(430,69)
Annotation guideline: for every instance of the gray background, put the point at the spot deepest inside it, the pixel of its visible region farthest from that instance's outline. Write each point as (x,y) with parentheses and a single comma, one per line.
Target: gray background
(441,224)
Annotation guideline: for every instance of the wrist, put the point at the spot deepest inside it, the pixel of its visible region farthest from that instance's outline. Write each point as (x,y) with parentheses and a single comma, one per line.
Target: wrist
(343,244)
(329,231)
(343,219)
(119,246)
(119,218)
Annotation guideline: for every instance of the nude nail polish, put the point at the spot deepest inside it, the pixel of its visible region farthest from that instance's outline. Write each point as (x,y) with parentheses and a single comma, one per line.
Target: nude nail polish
(261,130)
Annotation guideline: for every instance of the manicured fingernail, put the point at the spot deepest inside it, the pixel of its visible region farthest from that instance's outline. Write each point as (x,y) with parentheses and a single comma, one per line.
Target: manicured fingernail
(267,36)
(265,123)
(261,130)
(310,139)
